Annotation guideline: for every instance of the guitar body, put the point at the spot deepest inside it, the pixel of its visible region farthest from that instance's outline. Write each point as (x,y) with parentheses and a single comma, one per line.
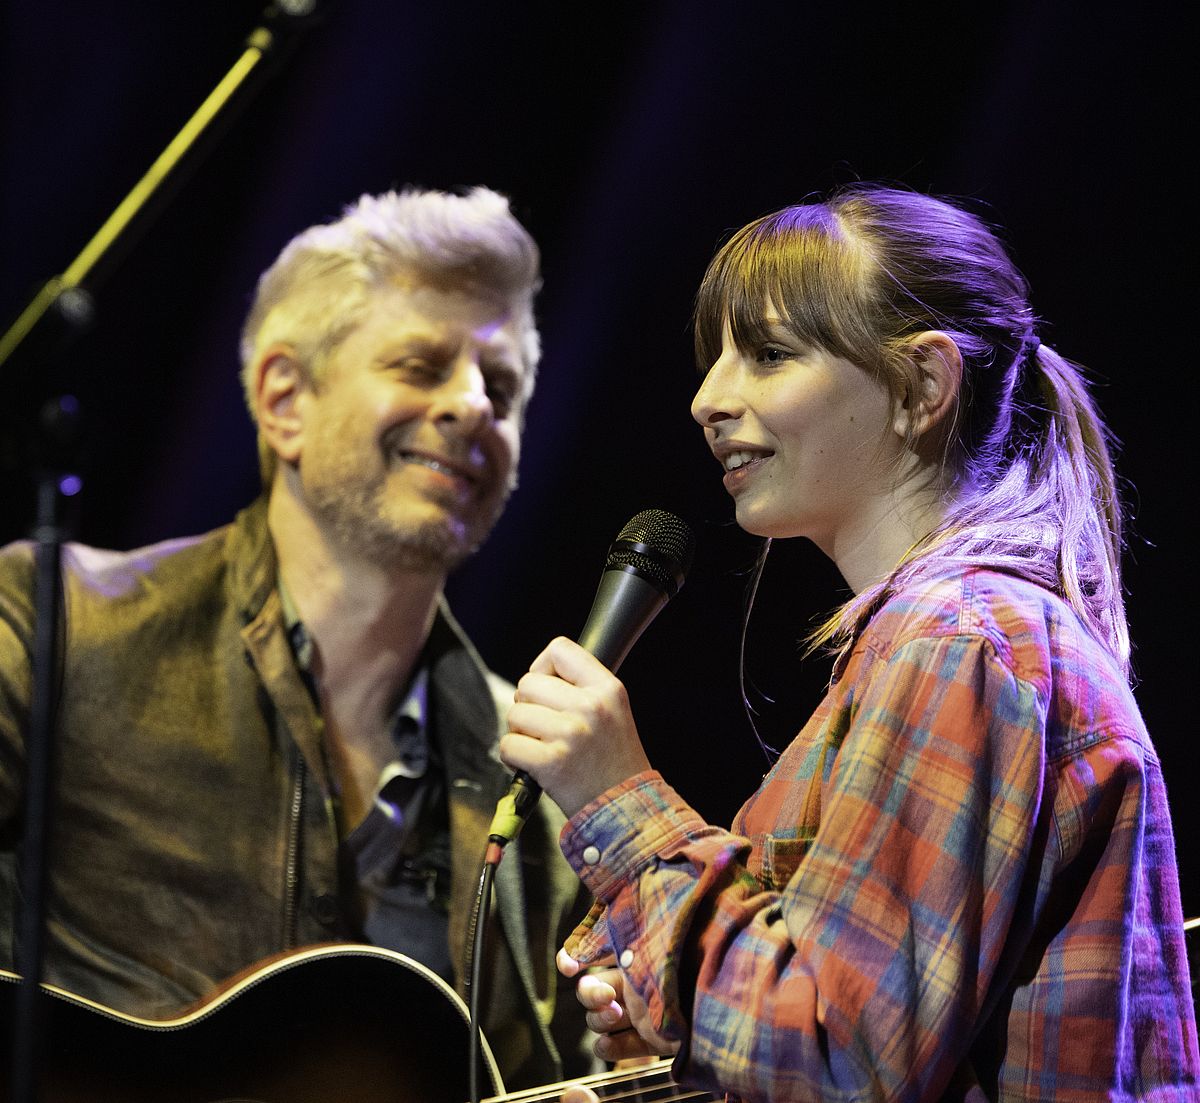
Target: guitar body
(324,1025)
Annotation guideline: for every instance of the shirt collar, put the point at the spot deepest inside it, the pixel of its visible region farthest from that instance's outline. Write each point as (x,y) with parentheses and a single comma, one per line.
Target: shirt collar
(298,635)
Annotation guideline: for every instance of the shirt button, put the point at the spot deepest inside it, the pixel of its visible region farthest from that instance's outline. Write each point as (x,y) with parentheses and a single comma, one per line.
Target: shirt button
(591,855)
(626,958)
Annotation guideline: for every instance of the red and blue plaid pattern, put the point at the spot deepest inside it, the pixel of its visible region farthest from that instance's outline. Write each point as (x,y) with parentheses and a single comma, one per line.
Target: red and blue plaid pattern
(958,882)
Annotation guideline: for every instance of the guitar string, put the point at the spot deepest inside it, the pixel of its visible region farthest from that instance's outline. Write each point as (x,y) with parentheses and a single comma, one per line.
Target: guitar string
(529,1095)
(640,1086)
(653,1076)
(667,1093)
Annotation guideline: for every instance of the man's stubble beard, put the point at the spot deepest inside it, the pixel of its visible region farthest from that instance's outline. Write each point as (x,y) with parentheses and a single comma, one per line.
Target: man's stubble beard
(355,515)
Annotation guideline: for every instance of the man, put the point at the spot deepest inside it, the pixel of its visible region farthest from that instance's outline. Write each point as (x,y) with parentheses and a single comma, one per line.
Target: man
(276,734)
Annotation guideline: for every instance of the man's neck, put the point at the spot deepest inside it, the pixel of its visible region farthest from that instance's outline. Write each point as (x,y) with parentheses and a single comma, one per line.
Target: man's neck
(367,625)
(367,622)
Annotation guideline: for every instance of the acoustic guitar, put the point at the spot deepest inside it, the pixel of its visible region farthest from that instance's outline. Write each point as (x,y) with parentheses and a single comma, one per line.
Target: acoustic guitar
(329,1024)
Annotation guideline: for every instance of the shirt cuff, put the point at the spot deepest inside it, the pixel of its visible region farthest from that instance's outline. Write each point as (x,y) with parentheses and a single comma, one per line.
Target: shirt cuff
(610,841)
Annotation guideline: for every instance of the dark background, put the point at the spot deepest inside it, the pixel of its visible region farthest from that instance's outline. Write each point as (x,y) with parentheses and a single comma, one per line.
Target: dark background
(632,137)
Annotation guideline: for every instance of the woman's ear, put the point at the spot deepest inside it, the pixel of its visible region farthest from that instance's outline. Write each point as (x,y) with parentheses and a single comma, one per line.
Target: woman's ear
(279,380)
(938,367)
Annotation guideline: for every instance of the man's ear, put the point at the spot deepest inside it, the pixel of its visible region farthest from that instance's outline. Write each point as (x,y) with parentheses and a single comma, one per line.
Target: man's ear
(938,368)
(279,381)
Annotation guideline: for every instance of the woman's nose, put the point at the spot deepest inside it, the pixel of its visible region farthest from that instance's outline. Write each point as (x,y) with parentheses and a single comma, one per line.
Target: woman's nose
(717,399)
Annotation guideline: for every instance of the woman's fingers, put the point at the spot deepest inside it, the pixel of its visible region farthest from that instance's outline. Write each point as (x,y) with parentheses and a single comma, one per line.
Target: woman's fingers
(579,1094)
(566,964)
(602,995)
(571,728)
(624,1045)
(566,659)
(599,998)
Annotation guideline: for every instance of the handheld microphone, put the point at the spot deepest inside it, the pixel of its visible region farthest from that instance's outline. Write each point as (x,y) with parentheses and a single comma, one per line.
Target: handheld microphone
(645,568)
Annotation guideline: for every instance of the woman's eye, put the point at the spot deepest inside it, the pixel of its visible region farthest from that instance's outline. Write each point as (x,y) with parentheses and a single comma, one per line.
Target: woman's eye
(773,354)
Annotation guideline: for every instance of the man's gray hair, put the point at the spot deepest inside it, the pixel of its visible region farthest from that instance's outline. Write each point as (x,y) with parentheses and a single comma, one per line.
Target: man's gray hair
(319,288)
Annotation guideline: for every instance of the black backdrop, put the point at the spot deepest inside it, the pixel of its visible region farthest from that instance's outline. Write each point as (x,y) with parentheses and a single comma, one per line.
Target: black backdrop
(631,137)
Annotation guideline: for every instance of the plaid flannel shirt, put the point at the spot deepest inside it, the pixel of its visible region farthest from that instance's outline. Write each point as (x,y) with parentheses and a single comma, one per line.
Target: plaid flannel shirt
(957,883)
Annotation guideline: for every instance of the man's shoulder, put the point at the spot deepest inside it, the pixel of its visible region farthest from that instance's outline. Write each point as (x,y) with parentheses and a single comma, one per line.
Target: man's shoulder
(16,566)
(95,575)
(163,574)
(17,574)
(107,568)
(116,573)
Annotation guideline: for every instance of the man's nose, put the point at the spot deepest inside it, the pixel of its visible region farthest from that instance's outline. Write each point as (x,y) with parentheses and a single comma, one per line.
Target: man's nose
(462,399)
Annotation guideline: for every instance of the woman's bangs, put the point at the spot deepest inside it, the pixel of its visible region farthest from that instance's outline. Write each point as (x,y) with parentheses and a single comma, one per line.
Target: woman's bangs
(742,283)
(785,264)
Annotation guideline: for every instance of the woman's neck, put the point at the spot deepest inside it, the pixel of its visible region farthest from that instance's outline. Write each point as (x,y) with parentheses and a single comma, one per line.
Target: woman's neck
(888,533)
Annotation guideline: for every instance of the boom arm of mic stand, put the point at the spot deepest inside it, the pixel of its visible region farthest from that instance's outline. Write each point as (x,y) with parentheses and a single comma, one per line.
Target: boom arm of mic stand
(261,42)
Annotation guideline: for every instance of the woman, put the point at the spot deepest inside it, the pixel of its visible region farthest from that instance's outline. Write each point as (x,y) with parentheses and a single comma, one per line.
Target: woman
(958,881)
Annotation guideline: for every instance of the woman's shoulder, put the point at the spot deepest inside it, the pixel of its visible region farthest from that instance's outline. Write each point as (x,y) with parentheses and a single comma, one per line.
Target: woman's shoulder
(980,624)
(1028,627)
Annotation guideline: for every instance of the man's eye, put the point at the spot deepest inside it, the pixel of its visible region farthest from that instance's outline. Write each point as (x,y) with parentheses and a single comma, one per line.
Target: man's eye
(414,367)
(502,397)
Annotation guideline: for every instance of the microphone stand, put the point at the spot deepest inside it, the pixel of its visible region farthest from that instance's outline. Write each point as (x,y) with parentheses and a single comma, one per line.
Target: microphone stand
(57,437)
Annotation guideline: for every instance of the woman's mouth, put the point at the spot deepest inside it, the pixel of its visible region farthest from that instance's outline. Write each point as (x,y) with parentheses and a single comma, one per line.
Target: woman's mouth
(740,467)
(739,459)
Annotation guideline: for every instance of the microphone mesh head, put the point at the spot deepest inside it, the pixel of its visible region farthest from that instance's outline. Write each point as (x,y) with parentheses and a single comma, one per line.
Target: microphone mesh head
(657,545)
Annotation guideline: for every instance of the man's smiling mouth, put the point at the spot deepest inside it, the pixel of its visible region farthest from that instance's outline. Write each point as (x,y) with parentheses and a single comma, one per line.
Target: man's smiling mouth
(431,463)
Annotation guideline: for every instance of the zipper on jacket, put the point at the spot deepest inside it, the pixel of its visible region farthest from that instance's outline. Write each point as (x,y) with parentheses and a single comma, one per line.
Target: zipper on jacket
(291,902)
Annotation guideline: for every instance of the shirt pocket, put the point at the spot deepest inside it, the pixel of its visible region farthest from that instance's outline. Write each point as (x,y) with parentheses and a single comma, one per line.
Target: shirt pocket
(778,858)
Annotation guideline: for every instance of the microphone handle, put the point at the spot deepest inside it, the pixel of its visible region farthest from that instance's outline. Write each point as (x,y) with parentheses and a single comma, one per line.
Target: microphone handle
(624,605)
